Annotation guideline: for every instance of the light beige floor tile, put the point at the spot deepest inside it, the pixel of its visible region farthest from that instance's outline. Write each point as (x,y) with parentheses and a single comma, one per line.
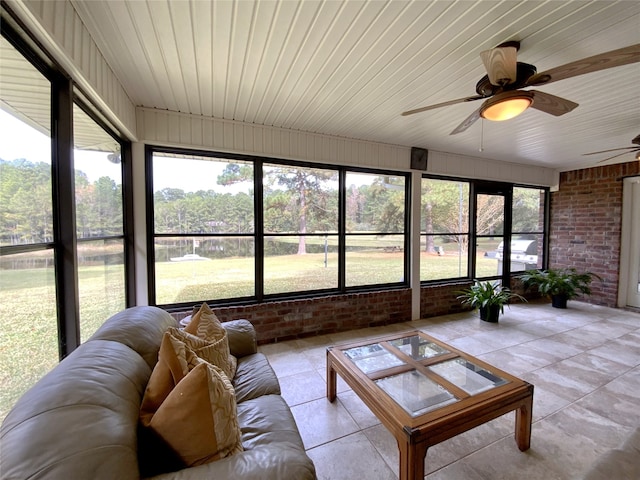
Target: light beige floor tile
(348,458)
(517,360)
(554,348)
(555,379)
(625,349)
(459,470)
(320,422)
(290,363)
(546,403)
(362,415)
(303,387)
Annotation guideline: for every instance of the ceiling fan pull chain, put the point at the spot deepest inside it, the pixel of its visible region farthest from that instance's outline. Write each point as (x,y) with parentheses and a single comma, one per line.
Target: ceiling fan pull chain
(481,149)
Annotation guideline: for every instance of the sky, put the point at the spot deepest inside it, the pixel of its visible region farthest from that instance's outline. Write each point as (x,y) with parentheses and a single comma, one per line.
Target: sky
(19,140)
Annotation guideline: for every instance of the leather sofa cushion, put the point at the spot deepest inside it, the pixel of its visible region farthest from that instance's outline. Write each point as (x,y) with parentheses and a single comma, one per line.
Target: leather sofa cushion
(78,418)
(254,378)
(273,448)
(242,337)
(140,328)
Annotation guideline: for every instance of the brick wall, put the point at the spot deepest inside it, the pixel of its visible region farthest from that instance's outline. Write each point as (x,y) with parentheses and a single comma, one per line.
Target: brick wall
(586,214)
(278,321)
(441,299)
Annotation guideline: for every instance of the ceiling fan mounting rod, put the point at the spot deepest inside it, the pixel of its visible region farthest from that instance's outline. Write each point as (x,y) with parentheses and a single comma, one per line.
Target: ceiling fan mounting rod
(511,43)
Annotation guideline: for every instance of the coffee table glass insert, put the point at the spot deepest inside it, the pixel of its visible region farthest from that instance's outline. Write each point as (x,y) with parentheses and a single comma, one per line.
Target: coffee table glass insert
(467,375)
(416,393)
(371,358)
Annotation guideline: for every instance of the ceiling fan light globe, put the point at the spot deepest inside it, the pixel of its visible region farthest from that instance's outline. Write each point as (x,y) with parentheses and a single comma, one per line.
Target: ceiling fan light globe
(505,106)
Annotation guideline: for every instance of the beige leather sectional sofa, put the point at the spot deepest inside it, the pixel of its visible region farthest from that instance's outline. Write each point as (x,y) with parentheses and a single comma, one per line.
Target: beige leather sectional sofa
(81,420)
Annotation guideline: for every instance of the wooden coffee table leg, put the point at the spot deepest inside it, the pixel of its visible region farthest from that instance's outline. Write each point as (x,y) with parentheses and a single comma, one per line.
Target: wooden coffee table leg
(411,460)
(331,380)
(523,424)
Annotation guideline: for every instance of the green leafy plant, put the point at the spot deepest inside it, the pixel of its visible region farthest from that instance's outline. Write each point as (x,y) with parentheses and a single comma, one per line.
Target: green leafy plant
(487,294)
(566,282)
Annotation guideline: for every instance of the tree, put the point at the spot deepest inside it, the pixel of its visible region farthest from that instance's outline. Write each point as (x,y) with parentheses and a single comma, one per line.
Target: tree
(386,203)
(308,192)
(527,210)
(445,211)
(304,202)
(26,212)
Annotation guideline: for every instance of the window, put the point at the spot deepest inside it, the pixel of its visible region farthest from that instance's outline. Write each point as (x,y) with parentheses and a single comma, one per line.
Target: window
(63,251)
(29,335)
(527,228)
(204,246)
(444,238)
(99,223)
(501,212)
(375,229)
(300,214)
(228,228)
(490,230)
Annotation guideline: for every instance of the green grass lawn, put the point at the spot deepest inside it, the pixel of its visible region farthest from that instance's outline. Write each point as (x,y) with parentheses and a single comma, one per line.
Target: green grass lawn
(29,336)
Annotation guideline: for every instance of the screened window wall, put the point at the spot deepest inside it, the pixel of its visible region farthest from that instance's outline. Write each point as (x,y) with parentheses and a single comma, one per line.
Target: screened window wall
(444,230)
(29,335)
(62,236)
(99,222)
(236,228)
(445,234)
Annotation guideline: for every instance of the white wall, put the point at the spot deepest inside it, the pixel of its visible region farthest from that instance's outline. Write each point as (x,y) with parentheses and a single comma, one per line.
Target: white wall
(161,127)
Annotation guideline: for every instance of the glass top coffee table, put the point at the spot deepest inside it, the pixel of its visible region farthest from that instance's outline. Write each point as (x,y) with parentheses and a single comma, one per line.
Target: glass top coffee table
(425,391)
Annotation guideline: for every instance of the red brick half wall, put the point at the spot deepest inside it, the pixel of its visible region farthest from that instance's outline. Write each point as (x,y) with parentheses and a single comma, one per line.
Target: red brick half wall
(586,216)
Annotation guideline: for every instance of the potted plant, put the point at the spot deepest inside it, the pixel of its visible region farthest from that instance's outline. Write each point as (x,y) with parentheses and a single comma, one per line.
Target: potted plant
(559,284)
(489,297)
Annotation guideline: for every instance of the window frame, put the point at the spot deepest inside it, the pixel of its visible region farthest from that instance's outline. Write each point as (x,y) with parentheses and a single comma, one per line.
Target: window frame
(259,234)
(506,190)
(64,92)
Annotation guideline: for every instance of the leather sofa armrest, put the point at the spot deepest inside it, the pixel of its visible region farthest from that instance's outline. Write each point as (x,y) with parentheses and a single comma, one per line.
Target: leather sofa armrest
(242,337)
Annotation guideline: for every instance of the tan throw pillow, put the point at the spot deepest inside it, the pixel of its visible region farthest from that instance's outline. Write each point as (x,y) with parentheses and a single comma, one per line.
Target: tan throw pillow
(172,366)
(198,419)
(206,326)
(190,405)
(215,351)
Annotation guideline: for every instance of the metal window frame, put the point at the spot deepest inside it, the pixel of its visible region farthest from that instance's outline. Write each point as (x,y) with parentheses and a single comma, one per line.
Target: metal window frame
(259,233)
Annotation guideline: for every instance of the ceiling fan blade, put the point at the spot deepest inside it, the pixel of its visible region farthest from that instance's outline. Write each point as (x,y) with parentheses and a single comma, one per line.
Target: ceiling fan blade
(443,104)
(614,58)
(611,150)
(548,103)
(470,120)
(501,65)
(615,156)
(636,140)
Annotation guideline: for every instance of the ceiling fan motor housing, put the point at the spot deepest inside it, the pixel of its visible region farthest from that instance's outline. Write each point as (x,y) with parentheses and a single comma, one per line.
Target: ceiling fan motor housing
(524,70)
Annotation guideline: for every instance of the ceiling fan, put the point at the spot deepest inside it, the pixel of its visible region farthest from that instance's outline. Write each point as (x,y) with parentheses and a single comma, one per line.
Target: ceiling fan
(505,78)
(635,148)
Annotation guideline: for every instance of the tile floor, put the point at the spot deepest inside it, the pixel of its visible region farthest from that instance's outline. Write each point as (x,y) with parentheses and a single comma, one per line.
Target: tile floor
(584,362)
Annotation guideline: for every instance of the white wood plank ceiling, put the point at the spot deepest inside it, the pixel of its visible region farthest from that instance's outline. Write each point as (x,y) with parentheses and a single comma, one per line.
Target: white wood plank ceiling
(349,68)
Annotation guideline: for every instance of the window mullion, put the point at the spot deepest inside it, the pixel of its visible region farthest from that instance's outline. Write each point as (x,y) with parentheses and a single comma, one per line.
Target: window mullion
(258,228)
(64,216)
(342,228)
